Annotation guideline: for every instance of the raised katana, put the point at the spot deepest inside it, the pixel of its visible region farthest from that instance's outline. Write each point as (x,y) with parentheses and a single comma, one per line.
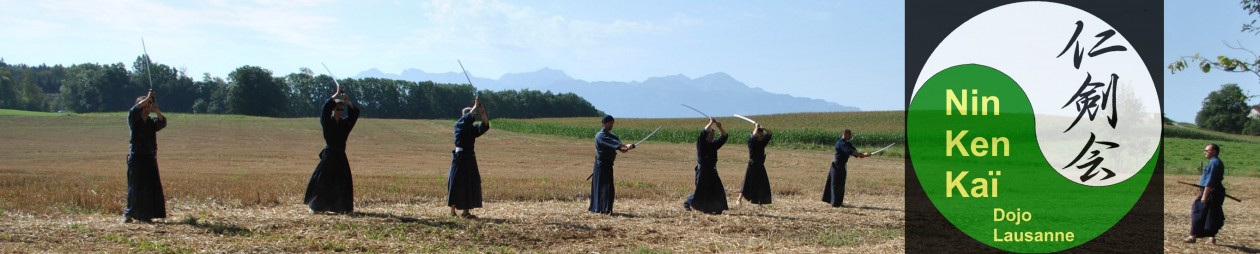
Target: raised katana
(148,70)
(334,78)
(697,111)
(746,119)
(1201,186)
(882,149)
(461,67)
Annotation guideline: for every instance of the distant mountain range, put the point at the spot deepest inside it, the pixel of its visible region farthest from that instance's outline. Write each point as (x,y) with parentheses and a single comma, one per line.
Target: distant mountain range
(717,94)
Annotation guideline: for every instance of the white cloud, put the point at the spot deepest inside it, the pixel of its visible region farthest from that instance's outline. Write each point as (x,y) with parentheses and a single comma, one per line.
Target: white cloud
(211,35)
(287,22)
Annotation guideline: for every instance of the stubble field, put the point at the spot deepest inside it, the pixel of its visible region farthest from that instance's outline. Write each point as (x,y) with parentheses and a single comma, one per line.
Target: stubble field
(235,183)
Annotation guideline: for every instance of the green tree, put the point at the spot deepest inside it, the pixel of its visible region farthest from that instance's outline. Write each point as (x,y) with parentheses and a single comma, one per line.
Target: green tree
(1224,110)
(1252,127)
(98,88)
(29,95)
(211,95)
(307,92)
(176,92)
(7,97)
(255,92)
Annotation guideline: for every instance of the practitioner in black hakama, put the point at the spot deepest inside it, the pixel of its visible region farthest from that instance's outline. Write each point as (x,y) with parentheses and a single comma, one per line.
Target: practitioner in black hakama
(464,181)
(709,196)
(1206,216)
(833,192)
(331,188)
(607,145)
(145,200)
(756,182)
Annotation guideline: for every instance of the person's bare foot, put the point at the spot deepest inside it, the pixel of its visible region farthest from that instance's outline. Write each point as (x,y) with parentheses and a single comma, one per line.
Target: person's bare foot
(1189,239)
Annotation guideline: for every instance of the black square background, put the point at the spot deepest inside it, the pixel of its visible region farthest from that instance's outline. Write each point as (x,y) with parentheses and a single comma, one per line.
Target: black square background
(928,22)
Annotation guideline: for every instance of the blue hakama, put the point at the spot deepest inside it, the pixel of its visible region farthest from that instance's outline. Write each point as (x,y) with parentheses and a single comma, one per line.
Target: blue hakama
(463,183)
(833,192)
(603,189)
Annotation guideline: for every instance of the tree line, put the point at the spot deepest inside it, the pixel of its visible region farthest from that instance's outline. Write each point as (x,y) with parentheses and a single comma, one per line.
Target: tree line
(1226,110)
(256,91)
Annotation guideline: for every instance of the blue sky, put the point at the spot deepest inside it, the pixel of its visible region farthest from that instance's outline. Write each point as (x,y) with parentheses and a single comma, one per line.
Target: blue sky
(1203,27)
(848,52)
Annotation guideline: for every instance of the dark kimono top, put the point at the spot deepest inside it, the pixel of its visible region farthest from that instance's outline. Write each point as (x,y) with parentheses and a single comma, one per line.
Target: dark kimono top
(466,132)
(143,131)
(844,150)
(606,145)
(336,132)
(757,148)
(706,152)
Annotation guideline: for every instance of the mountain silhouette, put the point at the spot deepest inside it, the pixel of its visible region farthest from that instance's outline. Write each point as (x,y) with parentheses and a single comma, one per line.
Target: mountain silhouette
(717,94)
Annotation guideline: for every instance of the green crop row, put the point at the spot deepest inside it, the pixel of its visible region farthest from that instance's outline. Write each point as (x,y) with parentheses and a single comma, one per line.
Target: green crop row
(1188,133)
(796,138)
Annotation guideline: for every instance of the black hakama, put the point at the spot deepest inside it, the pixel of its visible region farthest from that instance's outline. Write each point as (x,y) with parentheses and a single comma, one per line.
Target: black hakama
(756,182)
(833,192)
(331,188)
(464,180)
(1206,219)
(145,199)
(603,190)
(709,196)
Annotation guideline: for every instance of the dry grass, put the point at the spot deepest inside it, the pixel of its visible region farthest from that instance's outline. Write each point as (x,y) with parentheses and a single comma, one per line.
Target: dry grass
(1242,220)
(234,184)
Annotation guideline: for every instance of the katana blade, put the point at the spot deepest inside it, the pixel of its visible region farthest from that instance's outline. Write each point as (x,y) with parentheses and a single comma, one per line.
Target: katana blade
(882,149)
(1201,186)
(334,77)
(746,119)
(658,128)
(147,69)
(461,67)
(697,111)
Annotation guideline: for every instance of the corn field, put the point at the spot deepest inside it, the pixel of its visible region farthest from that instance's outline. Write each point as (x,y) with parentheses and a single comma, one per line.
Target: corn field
(814,131)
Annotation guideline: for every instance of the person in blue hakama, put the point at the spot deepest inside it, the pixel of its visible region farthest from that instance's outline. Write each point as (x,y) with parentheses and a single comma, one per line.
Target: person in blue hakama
(607,144)
(1206,215)
(145,199)
(331,188)
(709,196)
(756,181)
(464,181)
(833,192)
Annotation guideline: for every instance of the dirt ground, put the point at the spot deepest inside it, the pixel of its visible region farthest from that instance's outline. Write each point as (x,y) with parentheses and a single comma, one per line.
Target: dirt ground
(234,184)
(1241,233)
